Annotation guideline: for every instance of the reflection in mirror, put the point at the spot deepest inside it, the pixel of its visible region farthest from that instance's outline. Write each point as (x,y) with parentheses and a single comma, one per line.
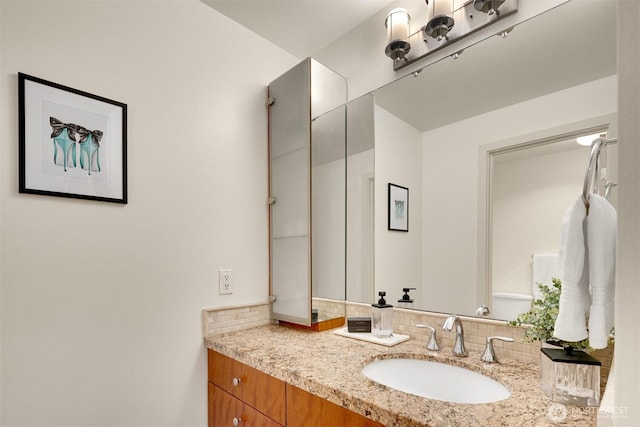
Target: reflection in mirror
(530,188)
(361,198)
(328,194)
(434,130)
(328,199)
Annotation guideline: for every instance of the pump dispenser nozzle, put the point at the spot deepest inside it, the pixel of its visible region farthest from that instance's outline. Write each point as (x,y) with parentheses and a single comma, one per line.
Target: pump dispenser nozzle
(381,300)
(406,298)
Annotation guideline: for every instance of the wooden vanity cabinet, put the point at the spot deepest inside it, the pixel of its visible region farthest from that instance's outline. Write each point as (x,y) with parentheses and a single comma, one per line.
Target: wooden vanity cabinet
(308,410)
(234,385)
(257,399)
(224,409)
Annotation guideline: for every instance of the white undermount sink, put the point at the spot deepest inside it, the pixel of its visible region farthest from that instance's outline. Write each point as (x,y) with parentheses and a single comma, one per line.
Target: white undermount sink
(435,380)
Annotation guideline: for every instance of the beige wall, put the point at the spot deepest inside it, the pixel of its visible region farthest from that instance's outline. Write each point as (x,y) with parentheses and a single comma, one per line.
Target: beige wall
(626,361)
(100,303)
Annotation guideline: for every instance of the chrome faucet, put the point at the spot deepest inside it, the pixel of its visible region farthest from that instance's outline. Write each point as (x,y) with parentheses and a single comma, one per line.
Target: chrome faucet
(448,325)
(489,355)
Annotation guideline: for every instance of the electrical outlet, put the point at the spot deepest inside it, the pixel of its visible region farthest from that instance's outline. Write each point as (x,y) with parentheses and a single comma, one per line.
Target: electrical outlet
(225,282)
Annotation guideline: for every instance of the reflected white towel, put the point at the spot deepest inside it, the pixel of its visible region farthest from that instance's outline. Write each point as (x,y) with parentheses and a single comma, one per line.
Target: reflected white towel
(601,243)
(544,267)
(571,324)
(587,255)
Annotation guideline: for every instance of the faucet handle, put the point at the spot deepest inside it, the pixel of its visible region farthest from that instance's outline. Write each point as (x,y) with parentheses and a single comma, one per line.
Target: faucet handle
(483,310)
(489,355)
(433,341)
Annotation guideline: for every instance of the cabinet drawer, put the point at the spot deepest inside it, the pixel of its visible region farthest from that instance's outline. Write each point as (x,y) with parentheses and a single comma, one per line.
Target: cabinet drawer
(224,408)
(259,390)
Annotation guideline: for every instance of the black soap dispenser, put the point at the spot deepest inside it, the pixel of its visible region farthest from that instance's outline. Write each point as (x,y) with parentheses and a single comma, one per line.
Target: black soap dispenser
(406,301)
(382,318)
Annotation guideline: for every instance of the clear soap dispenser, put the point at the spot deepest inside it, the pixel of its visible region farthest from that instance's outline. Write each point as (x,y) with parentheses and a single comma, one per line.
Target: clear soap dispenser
(382,318)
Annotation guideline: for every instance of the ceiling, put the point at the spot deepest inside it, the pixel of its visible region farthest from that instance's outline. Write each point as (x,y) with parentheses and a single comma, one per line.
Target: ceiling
(573,44)
(317,22)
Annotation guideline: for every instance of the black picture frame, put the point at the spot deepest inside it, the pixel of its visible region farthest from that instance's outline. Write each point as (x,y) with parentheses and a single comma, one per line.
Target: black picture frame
(398,204)
(71,143)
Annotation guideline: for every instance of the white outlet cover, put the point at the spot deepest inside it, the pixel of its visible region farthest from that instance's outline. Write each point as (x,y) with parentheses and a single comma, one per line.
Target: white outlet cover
(225,281)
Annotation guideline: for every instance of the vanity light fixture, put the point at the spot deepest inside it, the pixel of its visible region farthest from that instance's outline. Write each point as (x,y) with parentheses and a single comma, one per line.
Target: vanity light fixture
(442,22)
(449,21)
(397,24)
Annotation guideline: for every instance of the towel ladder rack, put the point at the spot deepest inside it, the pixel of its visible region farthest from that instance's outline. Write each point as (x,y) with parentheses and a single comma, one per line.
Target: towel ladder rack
(593,167)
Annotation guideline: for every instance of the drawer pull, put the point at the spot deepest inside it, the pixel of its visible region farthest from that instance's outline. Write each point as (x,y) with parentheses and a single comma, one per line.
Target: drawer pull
(236,382)
(237,421)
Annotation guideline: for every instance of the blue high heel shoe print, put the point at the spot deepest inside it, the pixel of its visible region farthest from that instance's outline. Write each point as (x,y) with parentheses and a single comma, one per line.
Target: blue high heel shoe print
(64,138)
(90,147)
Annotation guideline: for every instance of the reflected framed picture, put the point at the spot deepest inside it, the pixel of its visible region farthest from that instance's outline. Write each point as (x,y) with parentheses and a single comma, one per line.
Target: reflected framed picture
(398,208)
(71,143)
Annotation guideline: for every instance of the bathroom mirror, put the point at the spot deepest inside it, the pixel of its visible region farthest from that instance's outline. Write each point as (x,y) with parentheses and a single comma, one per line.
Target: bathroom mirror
(454,134)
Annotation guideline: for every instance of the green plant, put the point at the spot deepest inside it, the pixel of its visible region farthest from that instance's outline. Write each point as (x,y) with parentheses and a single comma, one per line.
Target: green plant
(541,317)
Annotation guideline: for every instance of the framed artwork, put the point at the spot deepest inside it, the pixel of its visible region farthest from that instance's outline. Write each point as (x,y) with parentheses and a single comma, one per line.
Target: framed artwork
(398,208)
(72,143)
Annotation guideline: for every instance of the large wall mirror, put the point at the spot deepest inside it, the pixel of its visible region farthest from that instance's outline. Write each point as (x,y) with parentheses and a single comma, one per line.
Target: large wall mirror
(486,146)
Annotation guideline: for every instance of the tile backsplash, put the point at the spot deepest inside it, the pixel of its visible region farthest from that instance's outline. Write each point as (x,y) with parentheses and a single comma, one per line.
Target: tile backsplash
(222,320)
(476,331)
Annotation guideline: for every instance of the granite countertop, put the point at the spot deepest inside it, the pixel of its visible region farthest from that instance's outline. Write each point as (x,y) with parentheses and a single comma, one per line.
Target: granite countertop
(329,365)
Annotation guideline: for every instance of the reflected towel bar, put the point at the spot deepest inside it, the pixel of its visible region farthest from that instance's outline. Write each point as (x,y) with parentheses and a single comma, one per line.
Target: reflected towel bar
(592,168)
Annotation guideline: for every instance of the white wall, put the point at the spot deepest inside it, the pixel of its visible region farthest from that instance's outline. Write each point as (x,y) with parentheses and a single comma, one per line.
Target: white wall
(100,303)
(627,366)
(451,171)
(398,155)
